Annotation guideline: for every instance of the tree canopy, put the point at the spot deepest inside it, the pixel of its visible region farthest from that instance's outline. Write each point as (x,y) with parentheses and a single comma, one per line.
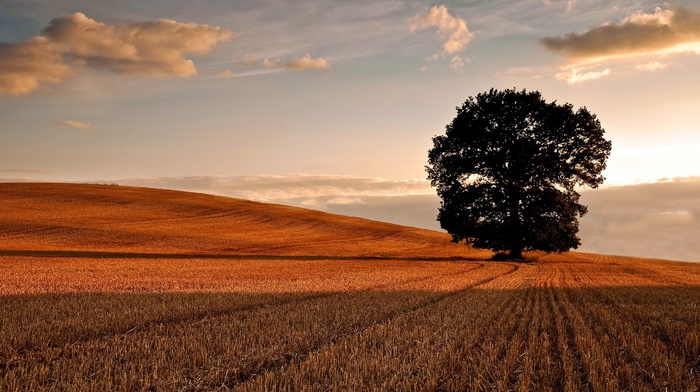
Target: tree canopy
(507,169)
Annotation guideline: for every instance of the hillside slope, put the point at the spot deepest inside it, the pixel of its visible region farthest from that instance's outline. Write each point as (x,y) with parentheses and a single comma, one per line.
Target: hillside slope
(104,218)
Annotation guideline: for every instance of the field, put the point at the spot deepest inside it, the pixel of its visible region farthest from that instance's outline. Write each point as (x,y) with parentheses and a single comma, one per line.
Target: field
(130,289)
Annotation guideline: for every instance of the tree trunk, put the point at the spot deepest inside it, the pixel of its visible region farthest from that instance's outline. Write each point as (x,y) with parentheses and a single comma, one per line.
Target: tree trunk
(516,237)
(516,254)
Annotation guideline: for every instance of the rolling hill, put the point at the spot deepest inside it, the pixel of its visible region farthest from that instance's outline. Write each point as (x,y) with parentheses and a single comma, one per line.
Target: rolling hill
(104,218)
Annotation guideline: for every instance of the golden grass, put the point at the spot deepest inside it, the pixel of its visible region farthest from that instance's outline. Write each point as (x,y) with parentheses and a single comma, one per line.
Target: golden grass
(191,292)
(114,218)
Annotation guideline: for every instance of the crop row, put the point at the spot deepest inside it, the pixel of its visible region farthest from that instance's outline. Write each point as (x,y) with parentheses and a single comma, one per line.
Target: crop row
(545,326)
(537,337)
(56,319)
(226,348)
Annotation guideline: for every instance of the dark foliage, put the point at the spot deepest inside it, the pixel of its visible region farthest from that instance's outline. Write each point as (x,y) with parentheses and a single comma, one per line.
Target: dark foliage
(507,167)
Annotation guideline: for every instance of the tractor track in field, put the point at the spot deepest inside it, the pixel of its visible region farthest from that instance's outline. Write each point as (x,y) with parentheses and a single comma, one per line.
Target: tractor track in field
(303,356)
(29,353)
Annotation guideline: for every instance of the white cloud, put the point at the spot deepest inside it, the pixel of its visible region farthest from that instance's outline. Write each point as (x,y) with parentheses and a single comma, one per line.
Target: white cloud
(453,30)
(225,74)
(579,74)
(267,63)
(306,62)
(74,124)
(457,63)
(72,42)
(653,66)
(302,63)
(521,72)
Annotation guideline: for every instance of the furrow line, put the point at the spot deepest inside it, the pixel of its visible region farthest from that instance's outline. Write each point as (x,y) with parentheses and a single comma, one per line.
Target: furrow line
(28,355)
(430,302)
(480,345)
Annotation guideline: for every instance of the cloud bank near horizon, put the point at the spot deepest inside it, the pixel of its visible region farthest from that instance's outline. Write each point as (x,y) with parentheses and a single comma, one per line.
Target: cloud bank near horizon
(658,220)
(71,43)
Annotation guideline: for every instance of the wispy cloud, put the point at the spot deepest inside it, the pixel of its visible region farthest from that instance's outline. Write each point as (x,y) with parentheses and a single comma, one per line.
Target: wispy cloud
(453,30)
(457,63)
(73,42)
(654,66)
(74,124)
(663,31)
(576,74)
(226,73)
(303,63)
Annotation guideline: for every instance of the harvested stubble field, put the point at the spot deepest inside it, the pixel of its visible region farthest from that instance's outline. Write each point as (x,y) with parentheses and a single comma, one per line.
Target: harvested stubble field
(116,288)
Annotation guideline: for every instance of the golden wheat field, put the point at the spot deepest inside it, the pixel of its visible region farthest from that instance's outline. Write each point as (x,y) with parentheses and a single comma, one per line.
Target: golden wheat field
(110,288)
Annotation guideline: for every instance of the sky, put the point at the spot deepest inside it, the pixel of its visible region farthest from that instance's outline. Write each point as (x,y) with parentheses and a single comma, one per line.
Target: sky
(332,105)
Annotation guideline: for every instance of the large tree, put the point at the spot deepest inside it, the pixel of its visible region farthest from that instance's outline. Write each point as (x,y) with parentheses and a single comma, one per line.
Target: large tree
(507,169)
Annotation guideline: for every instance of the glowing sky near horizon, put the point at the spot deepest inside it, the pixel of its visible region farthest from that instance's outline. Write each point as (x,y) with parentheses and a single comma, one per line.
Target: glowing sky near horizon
(333,104)
(329,87)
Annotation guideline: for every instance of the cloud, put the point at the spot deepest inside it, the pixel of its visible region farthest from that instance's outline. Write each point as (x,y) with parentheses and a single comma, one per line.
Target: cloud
(653,66)
(74,124)
(27,175)
(303,63)
(451,29)
(664,31)
(73,42)
(660,220)
(225,74)
(579,74)
(306,62)
(26,65)
(313,191)
(409,210)
(457,63)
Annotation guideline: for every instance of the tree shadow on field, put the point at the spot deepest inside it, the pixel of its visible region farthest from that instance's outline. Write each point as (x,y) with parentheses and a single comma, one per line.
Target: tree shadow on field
(526,258)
